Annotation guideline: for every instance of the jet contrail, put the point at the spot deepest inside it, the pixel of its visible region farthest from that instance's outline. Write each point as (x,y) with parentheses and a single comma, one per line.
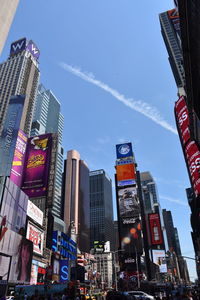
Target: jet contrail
(177,201)
(139,106)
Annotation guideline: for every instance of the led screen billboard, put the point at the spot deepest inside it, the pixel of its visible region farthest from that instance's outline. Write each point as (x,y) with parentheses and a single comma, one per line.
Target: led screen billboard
(35,235)
(9,133)
(131,241)
(155,229)
(126,174)
(35,213)
(124,150)
(128,202)
(160,260)
(21,252)
(37,162)
(64,270)
(182,119)
(192,154)
(19,157)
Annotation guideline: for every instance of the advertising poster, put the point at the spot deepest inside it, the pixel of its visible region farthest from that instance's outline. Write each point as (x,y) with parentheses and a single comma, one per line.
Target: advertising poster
(21,252)
(34,274)
(35,235)
(36,171)
(9,134)
(19,157)
(182,119)
(124,150)
(125,174)
(64,275)
(155,229)
(18,46)
(160,260)
(174,17)
(128,202)
(35,213)
(131,240)
(192,154)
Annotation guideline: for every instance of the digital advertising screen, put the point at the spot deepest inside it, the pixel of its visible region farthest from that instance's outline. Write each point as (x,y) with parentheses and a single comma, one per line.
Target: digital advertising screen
(159,259)
(125,174)
(182,119)
(192,154)
(124,150)
(36,171)
(128,202)
(19,157)
(155,229)
(64,270)
(36,236)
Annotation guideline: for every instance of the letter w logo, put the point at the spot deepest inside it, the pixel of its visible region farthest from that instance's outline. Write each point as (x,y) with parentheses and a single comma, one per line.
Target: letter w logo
(18,46)
(34,49)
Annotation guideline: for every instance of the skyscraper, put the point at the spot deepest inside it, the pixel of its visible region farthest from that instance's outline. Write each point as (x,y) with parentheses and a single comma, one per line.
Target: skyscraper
(148,182)
(76,200)
(19,75)
(7,12)
(101,208)
(47,118)
(170,28)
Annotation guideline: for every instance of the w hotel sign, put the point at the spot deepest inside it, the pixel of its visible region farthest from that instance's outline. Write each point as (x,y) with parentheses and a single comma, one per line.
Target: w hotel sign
(23,44)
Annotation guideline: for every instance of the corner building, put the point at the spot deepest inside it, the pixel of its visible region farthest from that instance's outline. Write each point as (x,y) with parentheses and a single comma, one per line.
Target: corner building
(19,75)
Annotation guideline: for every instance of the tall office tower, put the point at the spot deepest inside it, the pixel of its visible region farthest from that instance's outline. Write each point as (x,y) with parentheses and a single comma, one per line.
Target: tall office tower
(101,208)
(7,12)
(76,200)
(116,236)
(48,119)
(172,235)
(170,28)
(149,184)
(19,75)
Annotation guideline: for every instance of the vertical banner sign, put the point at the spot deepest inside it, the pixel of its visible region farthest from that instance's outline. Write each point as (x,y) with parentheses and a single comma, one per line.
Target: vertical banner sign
(19,157)
(193,159)
(35,235)
(9,134)
(182,118)
(36,170)
(160,260)
(64,270)
(155,229)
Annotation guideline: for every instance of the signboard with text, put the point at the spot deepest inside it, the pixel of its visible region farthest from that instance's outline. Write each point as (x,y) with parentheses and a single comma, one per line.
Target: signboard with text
(182,118)
(35,235)
(155,229)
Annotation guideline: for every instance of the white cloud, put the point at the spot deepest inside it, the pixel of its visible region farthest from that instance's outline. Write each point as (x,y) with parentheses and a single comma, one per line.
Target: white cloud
(103,140)
(174,200)
(139,106)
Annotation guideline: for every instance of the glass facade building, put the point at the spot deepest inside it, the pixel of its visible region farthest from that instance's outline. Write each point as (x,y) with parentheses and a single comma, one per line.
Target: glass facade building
(47,118)
(101,208)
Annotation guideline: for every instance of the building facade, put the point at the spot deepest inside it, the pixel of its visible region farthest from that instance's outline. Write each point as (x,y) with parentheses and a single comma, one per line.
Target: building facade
(101,208)
(7,13)
(76,200)
(47,118)
(19,75)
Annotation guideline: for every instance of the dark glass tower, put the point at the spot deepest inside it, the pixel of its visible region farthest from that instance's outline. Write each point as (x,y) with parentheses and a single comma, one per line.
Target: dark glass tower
(101,208)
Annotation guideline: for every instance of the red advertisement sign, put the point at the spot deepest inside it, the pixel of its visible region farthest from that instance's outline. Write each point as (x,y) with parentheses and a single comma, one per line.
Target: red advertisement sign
(192,154)
(155,229)
(182,118)
(35,235)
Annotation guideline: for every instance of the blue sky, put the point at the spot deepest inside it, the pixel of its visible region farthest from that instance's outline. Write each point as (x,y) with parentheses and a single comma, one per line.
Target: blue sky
(107,64)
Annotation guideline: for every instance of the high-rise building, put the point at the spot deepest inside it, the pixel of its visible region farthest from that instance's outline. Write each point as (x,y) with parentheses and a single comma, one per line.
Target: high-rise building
(170,28)
(7,12)
(47,118)
(172,234)
(149,184)
(101,208)
(19,75)
(76,200)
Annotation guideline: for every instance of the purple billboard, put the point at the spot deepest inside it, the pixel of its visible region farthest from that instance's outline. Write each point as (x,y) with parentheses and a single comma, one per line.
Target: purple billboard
(31,47)
(19,157)
(36,168)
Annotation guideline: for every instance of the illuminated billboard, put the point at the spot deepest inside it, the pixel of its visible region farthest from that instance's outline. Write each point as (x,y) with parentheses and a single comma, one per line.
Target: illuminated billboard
(155,229)
(125,174)
(64,270)
(19,157)
(159,259)
(192,154)
(182,119)
(128,202)
(131,241)
(35,235)
(124,150)
(21,252)
(9,133)
(35,213)
(37,162)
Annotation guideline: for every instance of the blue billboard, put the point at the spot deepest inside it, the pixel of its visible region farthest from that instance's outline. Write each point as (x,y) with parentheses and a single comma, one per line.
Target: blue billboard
(9,133)
(124,150)
(64,270)
(18,46)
